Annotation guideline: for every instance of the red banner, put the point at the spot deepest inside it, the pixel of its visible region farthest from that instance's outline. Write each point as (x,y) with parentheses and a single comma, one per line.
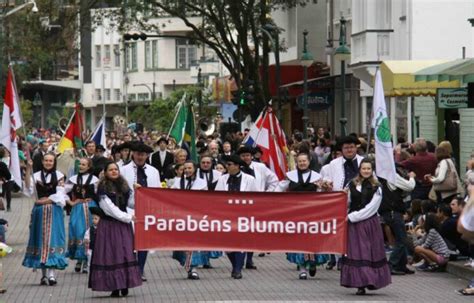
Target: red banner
(170,219)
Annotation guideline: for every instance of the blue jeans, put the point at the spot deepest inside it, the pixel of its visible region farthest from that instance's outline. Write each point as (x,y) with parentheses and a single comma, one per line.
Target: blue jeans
(2,233)
(398,257)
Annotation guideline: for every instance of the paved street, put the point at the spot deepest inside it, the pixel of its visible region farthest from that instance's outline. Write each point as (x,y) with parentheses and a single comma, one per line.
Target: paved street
(275,280)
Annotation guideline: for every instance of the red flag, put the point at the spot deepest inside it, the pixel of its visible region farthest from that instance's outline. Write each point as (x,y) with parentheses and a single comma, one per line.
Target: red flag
(11,121)
(267,134)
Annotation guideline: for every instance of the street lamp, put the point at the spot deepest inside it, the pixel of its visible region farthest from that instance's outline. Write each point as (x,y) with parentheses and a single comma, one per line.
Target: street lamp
(342,54)
(306,60)
(267,29)
(152,91)
(20,7)
(199,83)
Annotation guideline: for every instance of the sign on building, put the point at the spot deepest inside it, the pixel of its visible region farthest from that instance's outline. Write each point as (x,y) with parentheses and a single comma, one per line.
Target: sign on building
(452,97)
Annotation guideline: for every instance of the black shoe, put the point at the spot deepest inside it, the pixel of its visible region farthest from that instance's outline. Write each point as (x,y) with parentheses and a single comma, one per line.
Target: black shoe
(144,279)
(303,275)
(192,275)
(339,265)
(115,294)
(237,275)
(44,280)
(395,272)
(330,266)
(409,271)
(124,292)
(250,266)
(78,267)
(9,209)
(207,266)
(52,281)
(261,254)
(312,271)
(360,291)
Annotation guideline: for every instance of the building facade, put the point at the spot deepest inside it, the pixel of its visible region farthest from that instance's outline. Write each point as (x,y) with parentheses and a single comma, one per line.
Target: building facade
(125,74)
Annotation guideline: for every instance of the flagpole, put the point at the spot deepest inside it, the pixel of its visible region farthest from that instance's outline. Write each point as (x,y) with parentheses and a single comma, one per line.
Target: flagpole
(369,131)
(176,116)
(68,124)
(261,125)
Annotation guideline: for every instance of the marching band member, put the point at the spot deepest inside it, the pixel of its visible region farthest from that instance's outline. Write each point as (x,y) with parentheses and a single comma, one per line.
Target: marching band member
(162,158)
(236,181)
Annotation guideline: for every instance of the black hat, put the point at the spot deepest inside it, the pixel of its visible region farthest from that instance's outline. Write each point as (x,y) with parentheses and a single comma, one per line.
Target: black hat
(97,211)
(123,146)
(257,149)
(162,138)
(100,148)
(245,150)
(348,140)
(141,147)
(235,159)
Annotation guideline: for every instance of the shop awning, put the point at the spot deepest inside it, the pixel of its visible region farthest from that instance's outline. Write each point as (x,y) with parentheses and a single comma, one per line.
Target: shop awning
(399,80)
(459,69)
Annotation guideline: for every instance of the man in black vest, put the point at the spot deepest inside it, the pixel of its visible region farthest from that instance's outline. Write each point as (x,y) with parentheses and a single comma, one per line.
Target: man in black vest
(392,209)
(162,158)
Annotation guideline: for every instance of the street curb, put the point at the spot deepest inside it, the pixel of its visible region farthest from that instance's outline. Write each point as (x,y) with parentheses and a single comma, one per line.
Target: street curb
(458,269)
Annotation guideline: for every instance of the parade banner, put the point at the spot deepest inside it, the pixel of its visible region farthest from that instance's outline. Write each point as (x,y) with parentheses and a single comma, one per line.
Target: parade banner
(171,219)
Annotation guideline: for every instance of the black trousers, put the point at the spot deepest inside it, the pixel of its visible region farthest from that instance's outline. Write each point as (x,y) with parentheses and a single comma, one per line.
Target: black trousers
(237,260)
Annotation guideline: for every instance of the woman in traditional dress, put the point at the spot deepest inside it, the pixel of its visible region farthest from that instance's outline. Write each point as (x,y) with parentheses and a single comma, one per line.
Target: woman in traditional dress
(190,259)
(82,191)
(365,265)
(303,179)
(47,241)
(114,266)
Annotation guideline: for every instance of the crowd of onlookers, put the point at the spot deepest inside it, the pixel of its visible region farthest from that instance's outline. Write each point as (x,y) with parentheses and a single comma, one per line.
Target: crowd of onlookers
(431,210)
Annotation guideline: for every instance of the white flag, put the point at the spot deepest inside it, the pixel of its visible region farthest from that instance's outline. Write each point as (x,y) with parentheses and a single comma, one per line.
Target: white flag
(11,121)
(384,162)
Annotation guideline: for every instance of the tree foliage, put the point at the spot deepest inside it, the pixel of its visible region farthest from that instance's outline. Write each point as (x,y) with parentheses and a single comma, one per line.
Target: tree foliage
(159,114)
(232,29)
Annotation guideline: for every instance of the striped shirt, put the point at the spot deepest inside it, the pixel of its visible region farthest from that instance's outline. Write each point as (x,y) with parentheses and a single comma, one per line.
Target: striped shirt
(435,242)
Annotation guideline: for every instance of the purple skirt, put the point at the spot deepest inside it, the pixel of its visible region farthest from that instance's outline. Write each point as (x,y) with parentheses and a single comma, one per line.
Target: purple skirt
(365,264)
(113,263)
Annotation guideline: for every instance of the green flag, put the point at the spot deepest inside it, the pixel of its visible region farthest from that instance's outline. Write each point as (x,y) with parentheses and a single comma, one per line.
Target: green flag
(190,133)
(179,122)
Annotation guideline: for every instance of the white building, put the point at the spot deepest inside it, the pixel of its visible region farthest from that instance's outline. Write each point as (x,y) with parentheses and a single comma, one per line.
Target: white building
(124,74)
(413,30)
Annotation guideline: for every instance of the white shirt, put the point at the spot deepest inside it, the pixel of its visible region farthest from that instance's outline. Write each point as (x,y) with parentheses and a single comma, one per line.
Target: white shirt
(403,184)
(293,176)
(112,210)
(369,210)
(247,183)
(59,197)
(129,172)
(73,180)
(335,172)
(198,184)
(162,156)
(265,179)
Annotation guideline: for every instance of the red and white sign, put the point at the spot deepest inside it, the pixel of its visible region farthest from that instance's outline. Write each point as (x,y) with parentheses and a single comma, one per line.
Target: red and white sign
(170,219)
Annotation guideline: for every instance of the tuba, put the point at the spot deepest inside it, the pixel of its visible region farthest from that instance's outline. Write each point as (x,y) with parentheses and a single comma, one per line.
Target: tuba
(205,128)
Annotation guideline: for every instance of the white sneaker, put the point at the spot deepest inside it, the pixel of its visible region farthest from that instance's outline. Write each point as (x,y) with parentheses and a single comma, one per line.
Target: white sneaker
(419,263)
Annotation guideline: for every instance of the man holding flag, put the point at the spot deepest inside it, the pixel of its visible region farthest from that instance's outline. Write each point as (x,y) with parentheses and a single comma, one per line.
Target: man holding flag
(394,182)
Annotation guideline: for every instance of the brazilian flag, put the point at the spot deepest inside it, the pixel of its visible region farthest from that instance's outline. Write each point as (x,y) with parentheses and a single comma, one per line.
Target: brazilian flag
(190,133)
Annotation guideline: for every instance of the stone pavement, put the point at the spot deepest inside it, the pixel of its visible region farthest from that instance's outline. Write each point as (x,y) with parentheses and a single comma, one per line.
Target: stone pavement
(275,280)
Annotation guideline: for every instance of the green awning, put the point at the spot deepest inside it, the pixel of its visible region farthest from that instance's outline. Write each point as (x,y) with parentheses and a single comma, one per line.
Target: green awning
(459,69)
